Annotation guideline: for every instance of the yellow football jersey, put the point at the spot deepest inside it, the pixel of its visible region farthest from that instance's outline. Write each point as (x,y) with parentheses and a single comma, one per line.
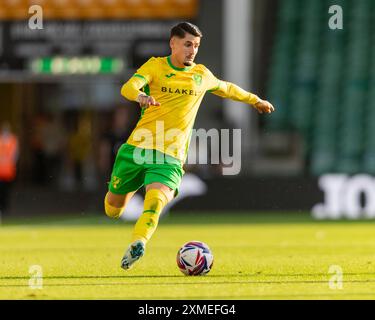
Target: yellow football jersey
(167,128)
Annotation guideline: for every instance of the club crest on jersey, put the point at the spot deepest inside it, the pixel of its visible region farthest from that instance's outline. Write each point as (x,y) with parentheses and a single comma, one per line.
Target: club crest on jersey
(197,78)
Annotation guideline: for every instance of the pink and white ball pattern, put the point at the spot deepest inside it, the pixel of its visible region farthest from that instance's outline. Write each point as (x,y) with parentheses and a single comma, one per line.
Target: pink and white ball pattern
(195,258)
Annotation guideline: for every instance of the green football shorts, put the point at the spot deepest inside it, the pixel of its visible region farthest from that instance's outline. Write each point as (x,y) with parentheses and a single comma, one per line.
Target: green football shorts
(135,167)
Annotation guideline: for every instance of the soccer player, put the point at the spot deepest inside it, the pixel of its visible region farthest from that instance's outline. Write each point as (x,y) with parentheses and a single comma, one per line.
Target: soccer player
(172,90)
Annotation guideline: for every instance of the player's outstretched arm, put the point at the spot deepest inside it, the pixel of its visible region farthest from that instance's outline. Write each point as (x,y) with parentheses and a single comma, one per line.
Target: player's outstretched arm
(234,92)
(131,91)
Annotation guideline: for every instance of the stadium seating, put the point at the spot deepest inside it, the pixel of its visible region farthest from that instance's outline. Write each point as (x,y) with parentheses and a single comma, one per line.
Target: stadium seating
(282,63)
(323,85)
(369,125)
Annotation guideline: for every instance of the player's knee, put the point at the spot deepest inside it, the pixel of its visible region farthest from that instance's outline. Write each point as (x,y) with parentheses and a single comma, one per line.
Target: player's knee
(156,199)
(112,211)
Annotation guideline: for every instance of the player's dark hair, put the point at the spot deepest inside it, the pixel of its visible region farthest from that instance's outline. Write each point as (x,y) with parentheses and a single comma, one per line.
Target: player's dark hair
(182,28)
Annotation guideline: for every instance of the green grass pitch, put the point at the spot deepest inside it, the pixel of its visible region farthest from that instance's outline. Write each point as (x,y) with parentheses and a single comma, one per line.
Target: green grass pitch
(267,256)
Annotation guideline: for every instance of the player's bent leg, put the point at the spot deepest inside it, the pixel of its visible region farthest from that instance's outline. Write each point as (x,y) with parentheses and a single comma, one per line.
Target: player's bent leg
(115,204)
(157,196)
(157,185)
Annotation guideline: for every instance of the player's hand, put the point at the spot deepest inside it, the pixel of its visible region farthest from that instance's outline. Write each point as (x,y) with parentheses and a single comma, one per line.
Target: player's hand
(264,106)
(146,101)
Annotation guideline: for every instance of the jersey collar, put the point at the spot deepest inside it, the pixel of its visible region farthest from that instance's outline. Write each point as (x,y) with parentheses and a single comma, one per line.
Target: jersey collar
(176,68)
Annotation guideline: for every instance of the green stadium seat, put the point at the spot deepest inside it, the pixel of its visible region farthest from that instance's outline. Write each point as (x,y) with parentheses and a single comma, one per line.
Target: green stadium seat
(323,80)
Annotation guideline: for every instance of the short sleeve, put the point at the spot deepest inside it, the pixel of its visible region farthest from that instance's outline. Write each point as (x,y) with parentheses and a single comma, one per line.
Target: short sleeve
(147,71)
(213,83)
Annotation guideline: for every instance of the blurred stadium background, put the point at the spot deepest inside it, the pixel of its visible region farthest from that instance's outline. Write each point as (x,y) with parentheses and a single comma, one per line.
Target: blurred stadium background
(60,91)
(314,158)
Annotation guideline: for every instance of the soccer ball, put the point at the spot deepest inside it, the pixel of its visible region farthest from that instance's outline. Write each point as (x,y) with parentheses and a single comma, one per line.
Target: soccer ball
(195,258)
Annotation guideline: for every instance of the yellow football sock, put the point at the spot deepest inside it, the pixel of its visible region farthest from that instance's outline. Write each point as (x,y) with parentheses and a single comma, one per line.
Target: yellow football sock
(111,211)
(155,201)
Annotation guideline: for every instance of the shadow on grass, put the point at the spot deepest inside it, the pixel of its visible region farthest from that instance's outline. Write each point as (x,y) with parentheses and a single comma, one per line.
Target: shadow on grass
(179,218)
(237,275)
